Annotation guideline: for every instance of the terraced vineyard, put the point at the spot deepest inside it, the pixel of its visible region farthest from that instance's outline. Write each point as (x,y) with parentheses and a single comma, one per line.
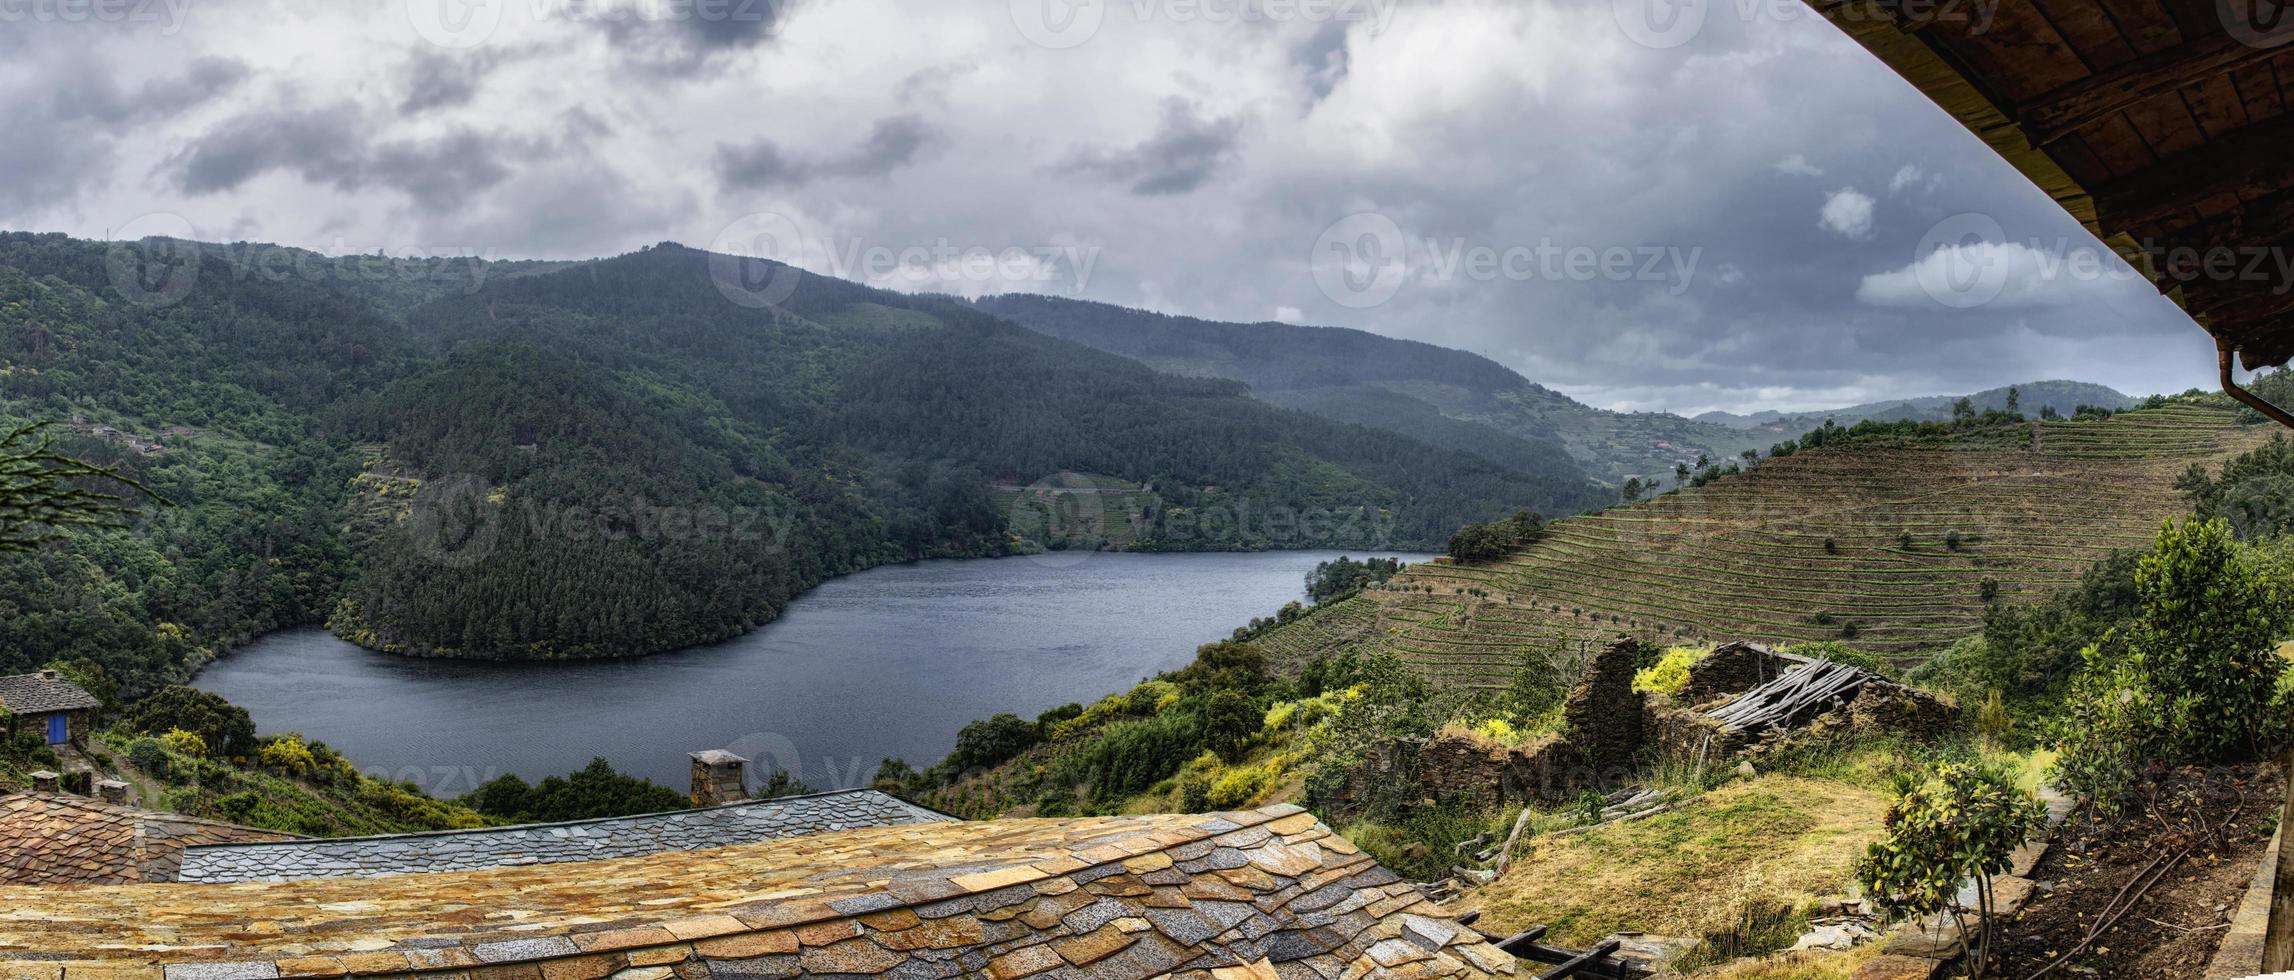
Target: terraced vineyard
(1888,546)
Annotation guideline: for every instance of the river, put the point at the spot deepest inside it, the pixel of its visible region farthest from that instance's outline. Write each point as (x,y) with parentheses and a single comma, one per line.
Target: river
(884,663)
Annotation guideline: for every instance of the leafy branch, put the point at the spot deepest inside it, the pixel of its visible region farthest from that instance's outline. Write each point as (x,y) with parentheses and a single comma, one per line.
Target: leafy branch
(42,491)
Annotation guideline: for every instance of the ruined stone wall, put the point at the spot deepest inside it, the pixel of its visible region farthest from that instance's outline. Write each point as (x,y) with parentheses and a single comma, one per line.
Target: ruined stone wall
(1732,668)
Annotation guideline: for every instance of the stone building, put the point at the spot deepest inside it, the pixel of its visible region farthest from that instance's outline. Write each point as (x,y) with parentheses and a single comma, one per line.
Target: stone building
(47,704)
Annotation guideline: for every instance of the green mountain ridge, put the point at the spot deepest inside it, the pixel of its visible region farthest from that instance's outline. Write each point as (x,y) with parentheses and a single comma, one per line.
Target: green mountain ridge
(1461,400)
(610,457)
(2065,397)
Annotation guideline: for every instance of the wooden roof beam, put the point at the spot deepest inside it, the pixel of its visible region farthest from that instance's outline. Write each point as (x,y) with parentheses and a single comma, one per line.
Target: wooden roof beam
(2249,162)
(2059,113)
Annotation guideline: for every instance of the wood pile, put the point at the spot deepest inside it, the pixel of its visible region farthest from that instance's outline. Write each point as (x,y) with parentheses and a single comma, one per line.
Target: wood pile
(1794,699)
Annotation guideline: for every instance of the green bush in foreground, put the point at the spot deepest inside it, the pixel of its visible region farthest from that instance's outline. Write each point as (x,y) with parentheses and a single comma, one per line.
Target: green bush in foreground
(1956,823)
(2200,673)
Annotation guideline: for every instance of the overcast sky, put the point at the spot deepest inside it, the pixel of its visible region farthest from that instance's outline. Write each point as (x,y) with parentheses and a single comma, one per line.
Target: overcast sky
(1723,211)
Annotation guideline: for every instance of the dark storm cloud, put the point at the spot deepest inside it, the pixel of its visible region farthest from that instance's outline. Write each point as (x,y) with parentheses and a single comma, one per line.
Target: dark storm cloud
(892,142)
(1187,150)
(440,78)
(333,145)
(678,38)
(58,145)
(1322,58)
(320,145)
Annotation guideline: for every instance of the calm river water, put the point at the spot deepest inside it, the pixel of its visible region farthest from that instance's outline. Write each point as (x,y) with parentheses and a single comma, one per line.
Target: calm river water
(888,662)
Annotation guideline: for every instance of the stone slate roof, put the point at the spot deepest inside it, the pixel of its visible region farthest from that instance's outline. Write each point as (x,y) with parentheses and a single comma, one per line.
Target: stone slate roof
(31,694)
(1262,894)
(582,840)
(51,838)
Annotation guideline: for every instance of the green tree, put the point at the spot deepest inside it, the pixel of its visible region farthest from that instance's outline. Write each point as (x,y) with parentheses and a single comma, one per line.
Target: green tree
(1230,718)
(991,741)
(42,492)
(225,727)
(2200,668)
(2014,400)
(1951,825)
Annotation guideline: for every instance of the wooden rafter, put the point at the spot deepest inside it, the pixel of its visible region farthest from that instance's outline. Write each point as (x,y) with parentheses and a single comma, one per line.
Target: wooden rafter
(2057,114)
(2249,163)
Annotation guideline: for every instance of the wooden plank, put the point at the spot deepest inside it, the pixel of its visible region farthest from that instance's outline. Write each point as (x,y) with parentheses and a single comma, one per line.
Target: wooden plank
(2166,125)
(2216,105)
(2019,56)
(2056,114)
(2091,31)
(2249,162)
(2144,24)
(1570,967)
(2278,939)
(2257,88)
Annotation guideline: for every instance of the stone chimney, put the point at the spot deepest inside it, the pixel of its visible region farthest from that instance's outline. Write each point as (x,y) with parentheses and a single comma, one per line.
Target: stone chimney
(111,790)
(717,778)
(44,781)
(49,675)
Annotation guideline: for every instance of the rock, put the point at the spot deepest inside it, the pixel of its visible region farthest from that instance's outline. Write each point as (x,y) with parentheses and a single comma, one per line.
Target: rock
(1936,937)
(1888,966)
(1744,769)
(1653,954)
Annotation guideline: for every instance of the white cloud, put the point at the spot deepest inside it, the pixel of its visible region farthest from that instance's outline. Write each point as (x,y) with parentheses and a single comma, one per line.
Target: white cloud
(1906,176)
(1289,314)
(2001,276)
(1798,166)
(1848,213)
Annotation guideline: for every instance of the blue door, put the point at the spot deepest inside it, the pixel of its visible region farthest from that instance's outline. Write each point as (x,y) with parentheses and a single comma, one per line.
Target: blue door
(57,731)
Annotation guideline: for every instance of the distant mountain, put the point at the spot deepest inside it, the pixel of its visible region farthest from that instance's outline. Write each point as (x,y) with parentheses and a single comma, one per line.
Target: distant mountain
(2064,397)
(619,457)
(1446,397)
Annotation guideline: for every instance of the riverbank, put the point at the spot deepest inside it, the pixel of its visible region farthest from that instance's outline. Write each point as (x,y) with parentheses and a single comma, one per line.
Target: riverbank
(889,662)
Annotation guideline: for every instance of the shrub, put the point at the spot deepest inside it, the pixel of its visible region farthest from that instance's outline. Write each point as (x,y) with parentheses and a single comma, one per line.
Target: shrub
(185,743)
(1229,721)
(1954,824)
(1841,653)
(1671,672)
(2199,674)
(224,727)
(1238,786)
(986,743)
(287,754)
(150,757)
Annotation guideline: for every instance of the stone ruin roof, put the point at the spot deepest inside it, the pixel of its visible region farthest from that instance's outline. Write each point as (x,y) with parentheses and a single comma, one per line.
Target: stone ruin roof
(1261,894)
(39,694)
(551,843)
(52,838)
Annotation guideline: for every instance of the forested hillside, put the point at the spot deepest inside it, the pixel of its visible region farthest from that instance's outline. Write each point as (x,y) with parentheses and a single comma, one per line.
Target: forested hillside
(612,458)
(1448,397)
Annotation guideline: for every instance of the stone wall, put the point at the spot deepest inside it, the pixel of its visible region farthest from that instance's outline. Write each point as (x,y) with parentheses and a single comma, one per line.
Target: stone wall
(1732,668)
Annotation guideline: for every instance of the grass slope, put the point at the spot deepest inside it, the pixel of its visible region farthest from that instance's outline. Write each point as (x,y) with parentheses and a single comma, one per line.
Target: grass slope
(1811,547)
(1764,846)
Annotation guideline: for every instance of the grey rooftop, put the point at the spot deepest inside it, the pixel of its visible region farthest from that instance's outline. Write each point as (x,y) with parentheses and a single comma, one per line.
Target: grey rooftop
(551,843)
(41,693)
